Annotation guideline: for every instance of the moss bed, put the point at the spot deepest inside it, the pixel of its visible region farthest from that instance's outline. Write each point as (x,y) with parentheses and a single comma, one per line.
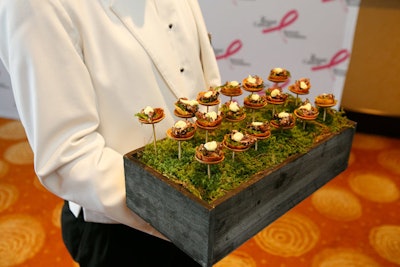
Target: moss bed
(233,171)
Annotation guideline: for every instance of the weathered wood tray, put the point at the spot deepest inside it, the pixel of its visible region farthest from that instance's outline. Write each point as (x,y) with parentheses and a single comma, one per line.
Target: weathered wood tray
(208,232)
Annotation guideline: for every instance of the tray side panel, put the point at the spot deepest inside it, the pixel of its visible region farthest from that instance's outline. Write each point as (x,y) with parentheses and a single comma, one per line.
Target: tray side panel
(249,211)
(184,221)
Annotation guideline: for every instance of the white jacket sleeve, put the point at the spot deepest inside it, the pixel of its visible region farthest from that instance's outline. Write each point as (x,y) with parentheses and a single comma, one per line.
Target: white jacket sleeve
(57,104)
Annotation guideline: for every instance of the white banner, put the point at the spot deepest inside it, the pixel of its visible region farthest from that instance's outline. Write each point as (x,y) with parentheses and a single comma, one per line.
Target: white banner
(311,39)
(7,104)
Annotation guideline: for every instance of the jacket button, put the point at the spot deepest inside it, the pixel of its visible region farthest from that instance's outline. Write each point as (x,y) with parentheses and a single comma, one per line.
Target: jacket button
(182,70)
(170,25)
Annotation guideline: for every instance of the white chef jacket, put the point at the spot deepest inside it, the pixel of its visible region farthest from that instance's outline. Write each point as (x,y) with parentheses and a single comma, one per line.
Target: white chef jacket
(81,69)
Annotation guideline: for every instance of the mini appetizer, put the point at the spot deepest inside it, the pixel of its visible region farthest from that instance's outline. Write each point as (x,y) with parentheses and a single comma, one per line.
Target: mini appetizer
(150,115)
(283,119)
(276,96)
(325,99)
(210,152)
(272,88)
(232,111)
(238,140)
(183,129)
(258,128)
(278,75)
(208,97)
(255,101)
(208,119)
(185,107)
(306,110)
(231,88)
(301,86)
(253,83)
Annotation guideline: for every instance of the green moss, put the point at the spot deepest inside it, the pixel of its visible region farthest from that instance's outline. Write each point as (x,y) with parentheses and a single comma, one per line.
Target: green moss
(240,166)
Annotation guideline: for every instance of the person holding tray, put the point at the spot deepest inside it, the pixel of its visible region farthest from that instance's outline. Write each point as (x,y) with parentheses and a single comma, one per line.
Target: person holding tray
(80,70)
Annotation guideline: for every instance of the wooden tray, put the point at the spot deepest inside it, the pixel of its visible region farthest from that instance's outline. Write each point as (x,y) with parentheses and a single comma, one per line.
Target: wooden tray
(207,232)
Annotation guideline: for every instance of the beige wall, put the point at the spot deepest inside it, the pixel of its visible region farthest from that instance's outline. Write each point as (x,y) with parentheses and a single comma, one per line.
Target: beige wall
(373,81)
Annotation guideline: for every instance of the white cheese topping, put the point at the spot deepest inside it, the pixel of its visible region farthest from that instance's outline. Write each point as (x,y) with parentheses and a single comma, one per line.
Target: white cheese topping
(278,70)
(180,124)
(233,83)
(275,92)
(255,97)
(208,94)
(251,79)
(306,106)
(238,136)
(233,106)
(147,110)
(212,115)
(190,102)
(303,85)
(283,114)
(257,123)
(211,146)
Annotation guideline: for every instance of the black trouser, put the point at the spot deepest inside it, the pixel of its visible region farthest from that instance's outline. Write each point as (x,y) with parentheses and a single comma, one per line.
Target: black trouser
(117,245)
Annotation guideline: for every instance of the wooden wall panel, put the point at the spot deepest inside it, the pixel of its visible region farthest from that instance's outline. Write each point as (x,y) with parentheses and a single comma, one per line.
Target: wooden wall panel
(373,80)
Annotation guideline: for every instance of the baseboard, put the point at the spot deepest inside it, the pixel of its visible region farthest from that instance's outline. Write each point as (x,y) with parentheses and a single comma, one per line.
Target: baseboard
(375,124)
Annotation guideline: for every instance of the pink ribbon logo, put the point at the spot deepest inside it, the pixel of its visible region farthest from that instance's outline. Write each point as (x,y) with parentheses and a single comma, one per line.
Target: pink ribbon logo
(288,19)
(232,49)
(339,57)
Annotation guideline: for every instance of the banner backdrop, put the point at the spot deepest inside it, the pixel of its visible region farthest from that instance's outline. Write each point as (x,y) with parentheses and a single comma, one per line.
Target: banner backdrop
(310,38)
(7,104)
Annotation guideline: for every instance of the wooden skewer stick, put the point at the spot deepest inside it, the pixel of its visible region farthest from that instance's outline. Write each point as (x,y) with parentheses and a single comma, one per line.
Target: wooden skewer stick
(179,150)
(155,138)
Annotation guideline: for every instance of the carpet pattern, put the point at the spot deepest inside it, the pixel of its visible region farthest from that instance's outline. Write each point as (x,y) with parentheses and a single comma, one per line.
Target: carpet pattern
(354,220)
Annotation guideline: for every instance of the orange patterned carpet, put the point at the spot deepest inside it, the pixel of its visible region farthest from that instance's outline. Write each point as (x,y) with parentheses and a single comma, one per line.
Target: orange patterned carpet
(353,221)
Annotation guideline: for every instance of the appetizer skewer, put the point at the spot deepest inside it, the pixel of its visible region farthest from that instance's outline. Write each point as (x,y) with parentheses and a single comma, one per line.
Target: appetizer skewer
(209,153)
(181,131)
(150,115)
